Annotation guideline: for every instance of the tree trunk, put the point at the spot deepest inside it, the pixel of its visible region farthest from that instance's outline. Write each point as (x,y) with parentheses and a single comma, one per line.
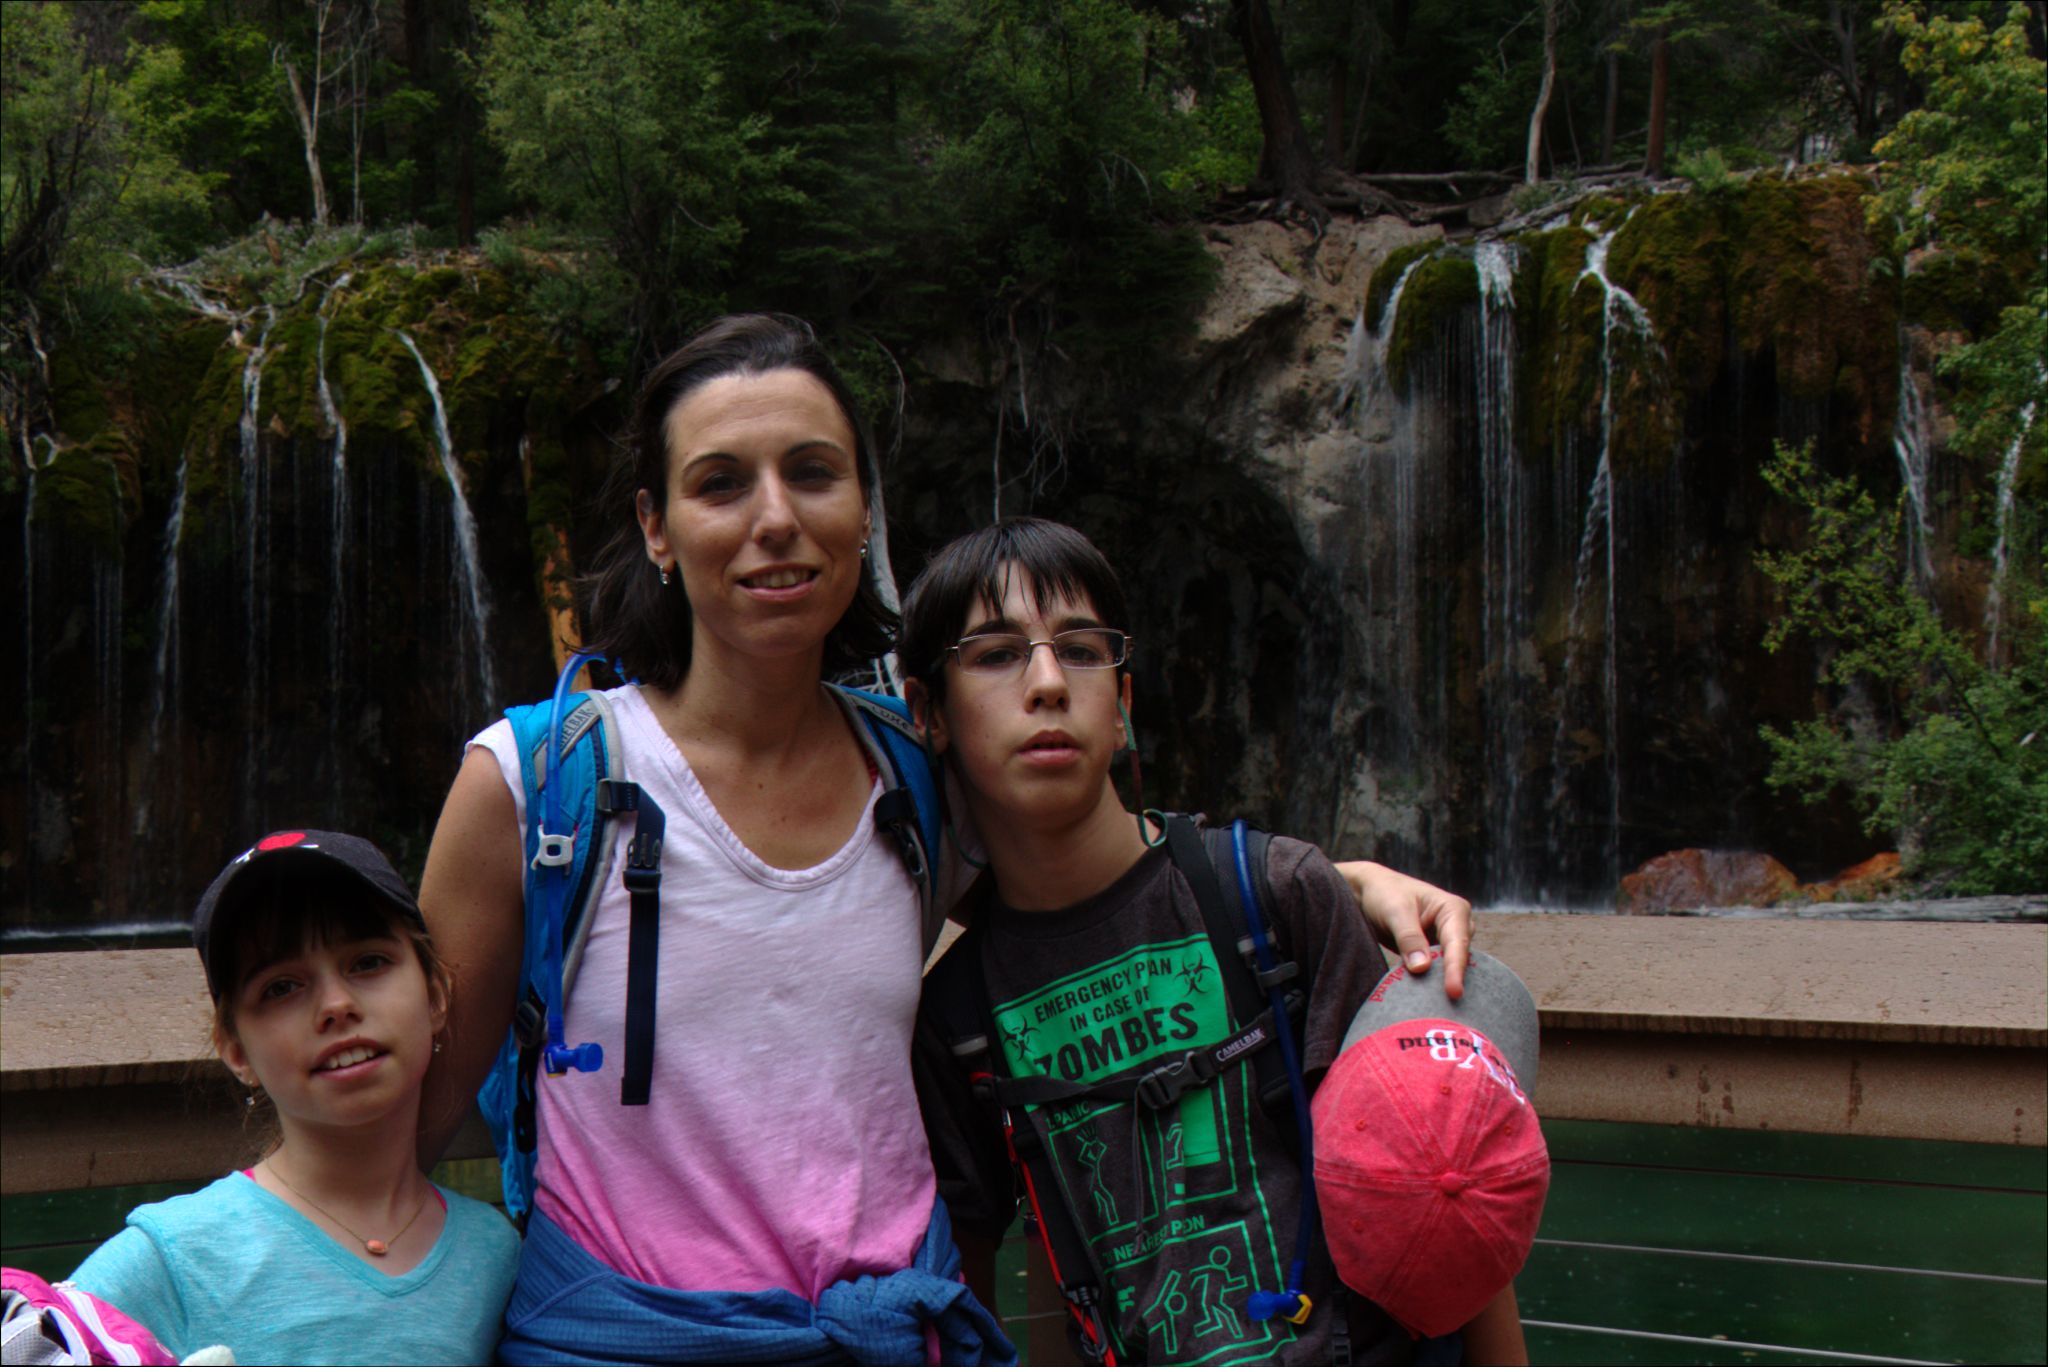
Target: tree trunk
(308,132)
(1660,82)
(1613,103)
(1338,109)
(1531,166)
(1285,161)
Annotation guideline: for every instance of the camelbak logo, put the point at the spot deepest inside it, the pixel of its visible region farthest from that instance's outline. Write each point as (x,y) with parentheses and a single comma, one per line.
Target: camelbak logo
(1236,1047)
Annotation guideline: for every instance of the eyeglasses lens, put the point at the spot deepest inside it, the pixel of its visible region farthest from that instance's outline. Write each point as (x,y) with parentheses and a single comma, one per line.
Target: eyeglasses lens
(1083,648)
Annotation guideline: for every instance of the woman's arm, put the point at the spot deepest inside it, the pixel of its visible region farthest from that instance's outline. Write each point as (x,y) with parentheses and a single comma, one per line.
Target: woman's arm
(473,895)
(1408,915)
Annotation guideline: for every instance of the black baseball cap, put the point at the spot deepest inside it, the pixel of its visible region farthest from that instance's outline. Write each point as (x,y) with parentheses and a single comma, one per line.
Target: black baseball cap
(286,858)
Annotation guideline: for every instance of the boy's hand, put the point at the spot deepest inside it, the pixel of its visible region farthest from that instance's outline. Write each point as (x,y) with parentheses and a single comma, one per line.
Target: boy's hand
(1409,915)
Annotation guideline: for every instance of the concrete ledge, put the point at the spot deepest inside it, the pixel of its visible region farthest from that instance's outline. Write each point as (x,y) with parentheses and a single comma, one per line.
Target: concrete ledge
(108,1076)
(1882,982)
(1935,1031)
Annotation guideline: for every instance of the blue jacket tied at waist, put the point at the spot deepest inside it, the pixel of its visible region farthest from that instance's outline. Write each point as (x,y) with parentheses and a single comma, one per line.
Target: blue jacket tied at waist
(567,1307)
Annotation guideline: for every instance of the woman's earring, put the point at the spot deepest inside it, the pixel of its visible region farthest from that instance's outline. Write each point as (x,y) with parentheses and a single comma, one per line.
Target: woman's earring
(250,1100)
(437,1046)
(863,552)
(664,576)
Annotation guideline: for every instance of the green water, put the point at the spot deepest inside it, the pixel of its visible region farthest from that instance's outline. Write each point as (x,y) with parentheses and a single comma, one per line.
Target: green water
(1659,1245)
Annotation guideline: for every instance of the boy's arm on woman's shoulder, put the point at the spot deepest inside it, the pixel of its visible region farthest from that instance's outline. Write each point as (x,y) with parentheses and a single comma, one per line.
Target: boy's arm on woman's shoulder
(1318,923)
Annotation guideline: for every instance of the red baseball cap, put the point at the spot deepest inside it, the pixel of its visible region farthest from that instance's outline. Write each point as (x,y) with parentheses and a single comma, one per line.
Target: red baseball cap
(1430,1166)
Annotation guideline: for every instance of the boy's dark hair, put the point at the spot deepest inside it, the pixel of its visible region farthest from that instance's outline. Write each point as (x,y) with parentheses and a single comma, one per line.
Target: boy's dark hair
(1060,561)
(628,615)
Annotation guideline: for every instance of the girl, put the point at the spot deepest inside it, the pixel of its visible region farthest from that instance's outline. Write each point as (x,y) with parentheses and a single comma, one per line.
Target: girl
(328,1000)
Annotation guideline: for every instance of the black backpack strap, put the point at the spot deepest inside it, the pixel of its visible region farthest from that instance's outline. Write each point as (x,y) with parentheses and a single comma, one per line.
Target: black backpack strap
(1206,858)
(956,998)
(642,878)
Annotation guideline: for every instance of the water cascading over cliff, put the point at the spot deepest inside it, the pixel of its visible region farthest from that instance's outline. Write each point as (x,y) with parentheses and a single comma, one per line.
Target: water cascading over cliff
(273,575)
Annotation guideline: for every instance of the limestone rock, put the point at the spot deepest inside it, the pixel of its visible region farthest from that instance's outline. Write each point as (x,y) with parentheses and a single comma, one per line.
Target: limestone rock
(1707,878)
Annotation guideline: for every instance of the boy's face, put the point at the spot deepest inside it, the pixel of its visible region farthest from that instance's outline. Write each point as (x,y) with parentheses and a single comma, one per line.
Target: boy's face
(1034,744)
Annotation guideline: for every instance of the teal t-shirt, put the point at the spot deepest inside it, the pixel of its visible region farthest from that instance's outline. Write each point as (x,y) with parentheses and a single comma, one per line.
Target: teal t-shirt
(233,1264)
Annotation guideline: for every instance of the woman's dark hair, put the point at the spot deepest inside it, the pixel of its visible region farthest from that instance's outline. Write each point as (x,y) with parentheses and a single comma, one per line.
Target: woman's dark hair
(1061,562)
(628,616)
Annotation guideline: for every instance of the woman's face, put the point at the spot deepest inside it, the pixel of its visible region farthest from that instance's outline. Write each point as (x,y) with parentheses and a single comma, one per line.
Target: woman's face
(764,514)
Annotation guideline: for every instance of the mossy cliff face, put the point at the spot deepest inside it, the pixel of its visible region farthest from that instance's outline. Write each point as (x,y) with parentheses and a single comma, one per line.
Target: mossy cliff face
(245,615)
(1472,585)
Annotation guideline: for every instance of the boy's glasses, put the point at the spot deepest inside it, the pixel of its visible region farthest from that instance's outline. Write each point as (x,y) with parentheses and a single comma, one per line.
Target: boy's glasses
(997,653)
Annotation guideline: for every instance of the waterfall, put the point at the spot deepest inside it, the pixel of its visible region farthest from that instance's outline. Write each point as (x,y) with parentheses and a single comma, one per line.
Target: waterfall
(337,522)
(255,558)
(1911,444)
(469,563)
(1505,570)
(2008,476)
(164,681)
(1363,381)
(1619,313)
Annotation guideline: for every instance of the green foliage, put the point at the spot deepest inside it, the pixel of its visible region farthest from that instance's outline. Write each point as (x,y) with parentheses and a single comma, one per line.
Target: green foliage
(1963,780)
(1970,180)
(89,181)
(1707,170)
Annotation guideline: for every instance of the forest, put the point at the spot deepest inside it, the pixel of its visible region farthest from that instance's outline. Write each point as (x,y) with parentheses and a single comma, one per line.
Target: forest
(1040,185)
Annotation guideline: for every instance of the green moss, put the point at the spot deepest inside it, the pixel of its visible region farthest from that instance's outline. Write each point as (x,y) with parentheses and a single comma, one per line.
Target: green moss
(1958,291)
(78,398)
(1672,257)
(1388,274)
(1440,288)
(1559,323)
(81,494)
(1801,282)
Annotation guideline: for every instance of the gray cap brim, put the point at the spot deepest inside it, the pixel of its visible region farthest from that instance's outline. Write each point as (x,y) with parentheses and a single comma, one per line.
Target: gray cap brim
(1496,1003)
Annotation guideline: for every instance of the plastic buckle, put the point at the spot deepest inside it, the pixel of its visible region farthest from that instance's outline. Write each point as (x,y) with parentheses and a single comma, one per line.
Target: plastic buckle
(1270,978)
(643,863)
(554,851)
(529,1024)
(1162,1086)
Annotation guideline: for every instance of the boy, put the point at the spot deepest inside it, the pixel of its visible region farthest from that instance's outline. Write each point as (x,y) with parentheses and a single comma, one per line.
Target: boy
(1097,969)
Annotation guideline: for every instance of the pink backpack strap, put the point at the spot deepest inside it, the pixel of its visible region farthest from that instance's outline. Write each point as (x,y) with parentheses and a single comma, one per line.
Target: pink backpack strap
(90,1330)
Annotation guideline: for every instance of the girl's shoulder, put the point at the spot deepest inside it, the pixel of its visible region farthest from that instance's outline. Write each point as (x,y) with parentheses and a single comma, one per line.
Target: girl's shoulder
(481,1230)
(225,1203)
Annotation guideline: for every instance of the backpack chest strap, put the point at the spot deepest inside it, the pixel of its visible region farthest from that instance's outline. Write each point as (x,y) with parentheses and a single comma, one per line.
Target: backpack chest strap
(1156,1088)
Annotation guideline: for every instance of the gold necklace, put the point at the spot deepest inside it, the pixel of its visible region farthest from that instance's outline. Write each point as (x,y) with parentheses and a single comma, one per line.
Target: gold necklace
(376,1248)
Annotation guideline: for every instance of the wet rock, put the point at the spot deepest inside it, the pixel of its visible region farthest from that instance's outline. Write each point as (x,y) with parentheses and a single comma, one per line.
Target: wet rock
(1707,878)
(1872,880)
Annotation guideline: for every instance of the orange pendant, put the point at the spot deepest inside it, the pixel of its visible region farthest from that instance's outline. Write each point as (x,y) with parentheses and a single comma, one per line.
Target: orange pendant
(377,1247)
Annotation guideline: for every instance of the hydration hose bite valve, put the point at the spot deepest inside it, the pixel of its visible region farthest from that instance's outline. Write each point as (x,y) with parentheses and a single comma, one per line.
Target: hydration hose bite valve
(1291,1306)
(584,1058)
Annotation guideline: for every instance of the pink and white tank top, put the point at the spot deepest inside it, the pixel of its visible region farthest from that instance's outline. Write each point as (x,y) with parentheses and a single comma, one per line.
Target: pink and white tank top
(781,1147)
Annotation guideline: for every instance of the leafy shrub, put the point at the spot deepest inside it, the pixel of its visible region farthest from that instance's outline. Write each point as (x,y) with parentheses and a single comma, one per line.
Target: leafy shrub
(1963,776)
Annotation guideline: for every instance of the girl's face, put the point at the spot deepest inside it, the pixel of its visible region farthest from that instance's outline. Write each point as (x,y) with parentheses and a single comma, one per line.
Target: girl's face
(764,514)
(339,1034)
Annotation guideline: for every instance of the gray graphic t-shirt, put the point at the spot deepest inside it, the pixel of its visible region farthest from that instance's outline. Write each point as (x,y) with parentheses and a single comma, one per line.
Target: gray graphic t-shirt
(1189,1209)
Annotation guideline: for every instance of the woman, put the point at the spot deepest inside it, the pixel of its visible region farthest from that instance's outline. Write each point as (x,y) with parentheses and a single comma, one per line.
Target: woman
(780,1154)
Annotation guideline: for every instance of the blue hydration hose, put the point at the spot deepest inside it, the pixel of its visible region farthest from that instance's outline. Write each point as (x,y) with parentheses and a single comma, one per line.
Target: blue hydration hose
(1290,1304)
(557,851)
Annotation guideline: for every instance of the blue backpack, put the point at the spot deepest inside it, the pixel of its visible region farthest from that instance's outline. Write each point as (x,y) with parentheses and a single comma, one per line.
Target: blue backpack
(575,782)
